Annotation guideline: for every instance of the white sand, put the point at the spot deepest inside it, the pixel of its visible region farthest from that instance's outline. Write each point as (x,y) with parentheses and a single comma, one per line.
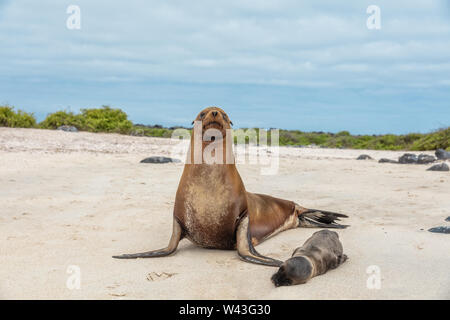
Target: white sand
(79,198)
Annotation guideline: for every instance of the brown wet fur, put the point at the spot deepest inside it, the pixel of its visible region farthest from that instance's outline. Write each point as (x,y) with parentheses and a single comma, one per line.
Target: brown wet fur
(211,199)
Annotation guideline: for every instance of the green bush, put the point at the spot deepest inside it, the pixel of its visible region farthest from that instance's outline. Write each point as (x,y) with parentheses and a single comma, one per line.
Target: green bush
(106,119)
(24,120)
(433,141)
(151,132)
(343,139)
(342,133)
(6,116)
(13,119)
(60,118)
(103,119)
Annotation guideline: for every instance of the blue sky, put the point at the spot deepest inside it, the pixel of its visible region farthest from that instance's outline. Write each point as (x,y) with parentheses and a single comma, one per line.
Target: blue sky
(312,66)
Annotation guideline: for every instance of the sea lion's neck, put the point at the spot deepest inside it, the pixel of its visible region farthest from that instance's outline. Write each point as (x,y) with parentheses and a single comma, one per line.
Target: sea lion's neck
(211,170)
(314,258)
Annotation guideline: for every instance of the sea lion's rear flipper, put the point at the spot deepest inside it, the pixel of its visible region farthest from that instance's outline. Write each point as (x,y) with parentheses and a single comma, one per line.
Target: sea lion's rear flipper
(313,218)
(246,250)
(177,235)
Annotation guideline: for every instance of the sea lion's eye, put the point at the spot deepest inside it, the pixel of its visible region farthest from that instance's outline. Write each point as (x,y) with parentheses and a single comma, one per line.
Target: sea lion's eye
(225,117)
(201,117)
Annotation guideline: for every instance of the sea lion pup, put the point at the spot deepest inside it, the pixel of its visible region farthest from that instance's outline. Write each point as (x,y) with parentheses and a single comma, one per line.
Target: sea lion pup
(320,253)
(212,207)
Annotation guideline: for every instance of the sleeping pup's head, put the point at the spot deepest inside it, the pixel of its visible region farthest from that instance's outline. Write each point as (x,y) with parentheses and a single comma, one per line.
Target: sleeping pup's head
(296,270)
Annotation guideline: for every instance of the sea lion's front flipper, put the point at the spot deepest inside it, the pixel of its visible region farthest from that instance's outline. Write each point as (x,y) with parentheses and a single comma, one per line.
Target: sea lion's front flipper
(246,250)
(177,235)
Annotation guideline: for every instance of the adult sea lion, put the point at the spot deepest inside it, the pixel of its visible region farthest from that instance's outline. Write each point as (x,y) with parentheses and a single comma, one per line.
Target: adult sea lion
(320,253)
(212,207)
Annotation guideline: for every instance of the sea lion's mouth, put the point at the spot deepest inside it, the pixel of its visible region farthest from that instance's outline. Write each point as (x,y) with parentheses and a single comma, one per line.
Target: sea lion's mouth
(213,124)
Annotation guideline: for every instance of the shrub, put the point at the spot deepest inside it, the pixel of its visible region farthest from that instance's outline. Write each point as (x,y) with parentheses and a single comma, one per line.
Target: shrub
(433,141)
(13,119)
(156,131)
(60,118)
(342,133)
(103,119)
(24,120)
(6,116)
(106,119)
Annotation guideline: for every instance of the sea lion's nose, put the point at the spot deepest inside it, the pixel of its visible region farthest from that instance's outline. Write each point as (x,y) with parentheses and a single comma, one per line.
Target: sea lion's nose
(214,113)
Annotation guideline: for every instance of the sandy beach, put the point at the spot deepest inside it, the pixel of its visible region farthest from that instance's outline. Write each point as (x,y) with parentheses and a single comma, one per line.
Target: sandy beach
(76,199)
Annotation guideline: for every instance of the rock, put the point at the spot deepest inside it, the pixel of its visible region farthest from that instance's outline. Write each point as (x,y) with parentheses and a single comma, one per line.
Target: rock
(159,160)
(137,133)
(424,159)
(441,229)
(68,128)
(441,154)
(384,160)
(439,167)
(364,157)
(408,158)
(448,219)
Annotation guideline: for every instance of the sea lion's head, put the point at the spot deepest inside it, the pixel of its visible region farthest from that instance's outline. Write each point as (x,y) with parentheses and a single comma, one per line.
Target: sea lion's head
(296,270)
(214,118)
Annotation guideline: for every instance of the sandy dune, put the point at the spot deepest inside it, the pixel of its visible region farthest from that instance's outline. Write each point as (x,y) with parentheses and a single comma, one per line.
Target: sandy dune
(76,199)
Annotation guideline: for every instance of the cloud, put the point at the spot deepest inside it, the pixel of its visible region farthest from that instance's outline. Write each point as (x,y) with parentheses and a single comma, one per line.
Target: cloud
(321,45)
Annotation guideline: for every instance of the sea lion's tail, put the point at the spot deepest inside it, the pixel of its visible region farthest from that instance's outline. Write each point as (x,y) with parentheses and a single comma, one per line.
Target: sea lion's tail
(313,218)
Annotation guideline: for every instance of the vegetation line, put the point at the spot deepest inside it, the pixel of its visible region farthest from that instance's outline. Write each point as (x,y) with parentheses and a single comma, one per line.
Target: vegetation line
(108,119)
